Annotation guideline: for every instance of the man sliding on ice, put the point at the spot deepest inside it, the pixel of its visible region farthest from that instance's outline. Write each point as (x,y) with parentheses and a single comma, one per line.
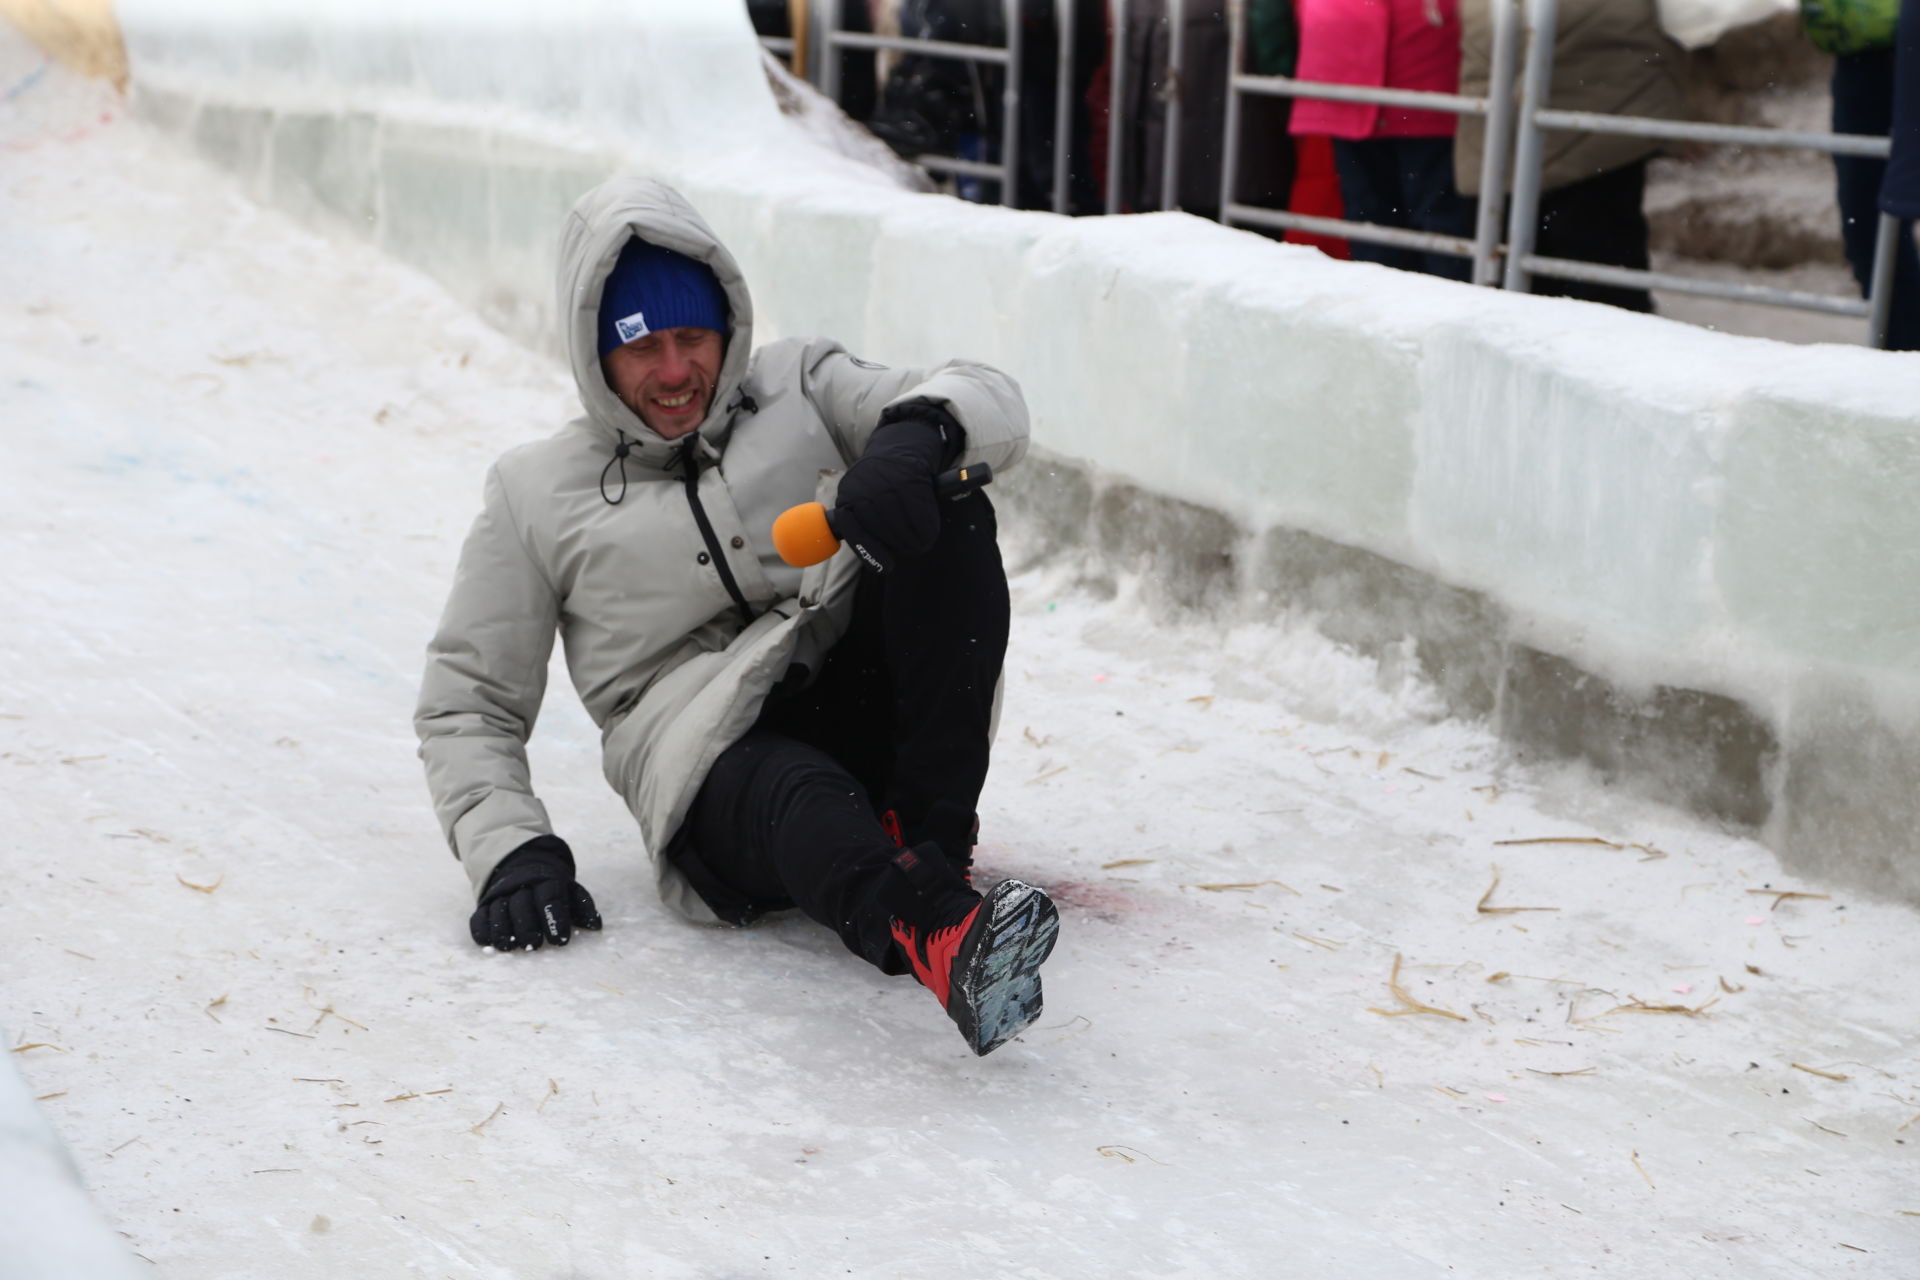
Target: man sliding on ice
(785,738)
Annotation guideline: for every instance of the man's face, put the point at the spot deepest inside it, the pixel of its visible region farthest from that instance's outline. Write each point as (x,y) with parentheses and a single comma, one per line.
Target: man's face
(667,377)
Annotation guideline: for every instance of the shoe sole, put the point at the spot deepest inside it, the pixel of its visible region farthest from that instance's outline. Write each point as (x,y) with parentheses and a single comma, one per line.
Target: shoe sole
(996,992)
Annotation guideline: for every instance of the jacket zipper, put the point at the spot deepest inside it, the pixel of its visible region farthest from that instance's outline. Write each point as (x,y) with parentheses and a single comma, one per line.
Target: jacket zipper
(692,476)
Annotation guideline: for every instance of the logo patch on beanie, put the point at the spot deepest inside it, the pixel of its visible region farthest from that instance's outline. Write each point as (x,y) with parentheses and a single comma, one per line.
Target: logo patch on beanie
(631,327)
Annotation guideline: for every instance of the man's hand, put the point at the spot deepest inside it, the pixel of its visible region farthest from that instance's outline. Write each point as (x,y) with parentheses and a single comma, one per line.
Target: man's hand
(532,898)
(886,508)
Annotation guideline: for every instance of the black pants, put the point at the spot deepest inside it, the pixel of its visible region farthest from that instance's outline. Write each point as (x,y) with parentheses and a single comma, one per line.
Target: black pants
(1863,103)
(1404,182)
(1601,219)
(896,720)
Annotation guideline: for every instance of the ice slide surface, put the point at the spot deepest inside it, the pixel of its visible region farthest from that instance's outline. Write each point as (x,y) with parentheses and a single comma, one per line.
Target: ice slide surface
(235,462)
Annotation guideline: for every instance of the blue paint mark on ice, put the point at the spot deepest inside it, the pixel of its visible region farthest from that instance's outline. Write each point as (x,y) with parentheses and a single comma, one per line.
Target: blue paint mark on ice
(27,82)
(235,482)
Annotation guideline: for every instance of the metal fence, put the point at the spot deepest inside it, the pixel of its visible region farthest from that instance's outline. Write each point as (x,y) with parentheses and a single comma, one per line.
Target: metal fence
(833,38)
(1484,248)
(1523,219)
(1514,135)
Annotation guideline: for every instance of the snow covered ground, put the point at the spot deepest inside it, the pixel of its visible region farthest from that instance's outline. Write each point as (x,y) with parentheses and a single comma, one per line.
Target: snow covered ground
(235,462)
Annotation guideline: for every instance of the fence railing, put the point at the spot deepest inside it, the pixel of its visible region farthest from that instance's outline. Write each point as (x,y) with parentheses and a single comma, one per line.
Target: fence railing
(1497,107)
(1006,172)
(1514,136)
(1536,118)
(835,38)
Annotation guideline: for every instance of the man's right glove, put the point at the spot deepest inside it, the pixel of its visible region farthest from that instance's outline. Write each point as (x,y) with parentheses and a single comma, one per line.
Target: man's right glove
(886,508)
(532,898)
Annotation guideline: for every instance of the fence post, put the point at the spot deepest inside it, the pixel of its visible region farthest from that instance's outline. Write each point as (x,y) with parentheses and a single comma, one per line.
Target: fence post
(1497,139)
(829,15)
(1176,90)
(1116,86)
(1010,106)
(1062,102)
(1880,295)
(797,32)
(1524,217)
(1230,145)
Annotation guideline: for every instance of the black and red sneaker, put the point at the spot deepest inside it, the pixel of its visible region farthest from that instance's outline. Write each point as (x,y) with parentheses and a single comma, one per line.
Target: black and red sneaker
(985,970)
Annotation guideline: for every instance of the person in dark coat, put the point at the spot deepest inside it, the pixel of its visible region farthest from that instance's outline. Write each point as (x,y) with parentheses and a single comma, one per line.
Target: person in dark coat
(1610,56)
(1900,188)
(1861,38)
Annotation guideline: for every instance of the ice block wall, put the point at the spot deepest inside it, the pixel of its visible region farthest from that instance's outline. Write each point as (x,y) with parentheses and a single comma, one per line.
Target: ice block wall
(1688,558)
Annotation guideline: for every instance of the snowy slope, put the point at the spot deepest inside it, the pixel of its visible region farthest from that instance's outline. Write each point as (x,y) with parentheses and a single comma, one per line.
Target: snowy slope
(235,462)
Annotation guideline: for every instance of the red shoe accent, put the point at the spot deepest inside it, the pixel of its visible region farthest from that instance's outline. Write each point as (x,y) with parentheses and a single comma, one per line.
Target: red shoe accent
(985,969)
(932,960)
(890,823)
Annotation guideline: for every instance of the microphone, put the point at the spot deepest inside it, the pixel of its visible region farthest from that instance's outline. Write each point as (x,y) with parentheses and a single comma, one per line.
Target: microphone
(804,535)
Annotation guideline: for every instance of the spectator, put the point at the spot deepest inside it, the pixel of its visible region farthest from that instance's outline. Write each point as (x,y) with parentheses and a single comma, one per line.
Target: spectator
(1860,35)
(1312,187)
(937,105)
(1610,56)
(1395,163)
(1150,85)
(1900,189)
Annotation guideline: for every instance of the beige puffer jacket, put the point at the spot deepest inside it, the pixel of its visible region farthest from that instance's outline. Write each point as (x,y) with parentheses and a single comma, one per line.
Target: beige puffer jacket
(609,552)
(1609,55)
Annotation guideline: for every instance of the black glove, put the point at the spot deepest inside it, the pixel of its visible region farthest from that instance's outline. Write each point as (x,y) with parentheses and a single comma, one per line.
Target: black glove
(532,898)
(886,508)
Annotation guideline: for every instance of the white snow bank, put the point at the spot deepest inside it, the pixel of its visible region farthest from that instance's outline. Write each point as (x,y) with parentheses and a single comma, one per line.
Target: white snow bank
(51,1230)
(1661,505)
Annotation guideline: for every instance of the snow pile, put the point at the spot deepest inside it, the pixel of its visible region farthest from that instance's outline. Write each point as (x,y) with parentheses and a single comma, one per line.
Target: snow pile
(50,1231)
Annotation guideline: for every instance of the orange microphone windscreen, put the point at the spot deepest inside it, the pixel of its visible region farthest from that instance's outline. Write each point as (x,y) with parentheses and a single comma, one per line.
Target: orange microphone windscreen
(802,536)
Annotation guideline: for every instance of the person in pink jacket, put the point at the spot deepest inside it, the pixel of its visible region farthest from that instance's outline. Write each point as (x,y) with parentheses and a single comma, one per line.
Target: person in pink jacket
(1395,164)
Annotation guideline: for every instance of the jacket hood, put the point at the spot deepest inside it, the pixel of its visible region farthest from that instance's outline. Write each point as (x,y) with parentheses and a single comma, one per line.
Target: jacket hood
(597,229)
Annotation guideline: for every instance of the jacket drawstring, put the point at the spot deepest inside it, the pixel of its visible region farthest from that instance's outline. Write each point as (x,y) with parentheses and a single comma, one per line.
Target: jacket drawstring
(687,458)
(620,453)
(681,455)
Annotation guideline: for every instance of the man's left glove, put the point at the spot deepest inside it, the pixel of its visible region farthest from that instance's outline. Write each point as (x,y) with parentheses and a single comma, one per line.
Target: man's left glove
(532,898)
(886,508)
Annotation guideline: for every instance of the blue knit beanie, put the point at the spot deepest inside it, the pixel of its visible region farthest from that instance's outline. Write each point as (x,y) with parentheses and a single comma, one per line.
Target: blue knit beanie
(651,288)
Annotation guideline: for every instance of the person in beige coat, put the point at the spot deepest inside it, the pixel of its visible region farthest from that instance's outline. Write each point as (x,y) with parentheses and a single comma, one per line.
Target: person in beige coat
(785,738)
(1609,56)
